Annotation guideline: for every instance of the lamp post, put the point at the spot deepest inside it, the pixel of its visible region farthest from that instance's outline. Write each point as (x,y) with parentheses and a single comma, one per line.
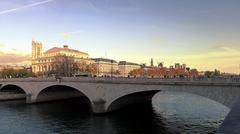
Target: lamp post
(111,68)
(239,70)
(98,67)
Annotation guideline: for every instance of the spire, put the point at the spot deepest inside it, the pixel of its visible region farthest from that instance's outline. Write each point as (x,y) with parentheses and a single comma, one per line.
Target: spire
(152,62)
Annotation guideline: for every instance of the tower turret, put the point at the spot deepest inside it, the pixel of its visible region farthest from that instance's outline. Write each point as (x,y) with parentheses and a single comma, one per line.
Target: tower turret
(36,49)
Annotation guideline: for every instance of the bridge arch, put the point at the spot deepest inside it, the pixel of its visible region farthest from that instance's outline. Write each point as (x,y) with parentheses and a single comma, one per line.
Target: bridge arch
(185,95)
(12,92)
(225,95)
(132,98)
(60,92)
(12,88)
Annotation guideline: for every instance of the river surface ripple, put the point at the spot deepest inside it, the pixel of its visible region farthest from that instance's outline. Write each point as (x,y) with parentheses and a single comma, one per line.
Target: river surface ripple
(170,113)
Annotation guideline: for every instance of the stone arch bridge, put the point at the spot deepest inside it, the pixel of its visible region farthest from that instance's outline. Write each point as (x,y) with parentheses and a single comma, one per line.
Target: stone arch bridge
(106,95)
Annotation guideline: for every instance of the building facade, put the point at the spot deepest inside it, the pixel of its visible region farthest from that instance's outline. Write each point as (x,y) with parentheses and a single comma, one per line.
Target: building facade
(106,67)
(57,59)
(126,67)
(69,62)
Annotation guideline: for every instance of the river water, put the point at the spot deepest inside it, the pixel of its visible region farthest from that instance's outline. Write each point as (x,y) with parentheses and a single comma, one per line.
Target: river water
(170,113)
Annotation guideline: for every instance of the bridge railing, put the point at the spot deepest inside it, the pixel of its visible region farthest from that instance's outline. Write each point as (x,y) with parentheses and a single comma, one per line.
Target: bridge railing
(122,79)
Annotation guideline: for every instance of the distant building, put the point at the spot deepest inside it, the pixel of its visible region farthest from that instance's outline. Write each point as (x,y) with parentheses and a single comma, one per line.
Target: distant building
(106,67)
(126,67)
(194,73)
(46,62)
(184,66)
(201,73)
(160,65)
(177,65)
(143,65)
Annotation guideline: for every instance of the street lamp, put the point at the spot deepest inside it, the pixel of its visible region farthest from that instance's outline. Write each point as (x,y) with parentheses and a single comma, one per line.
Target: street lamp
(98,60)
(111,68)
(239,70)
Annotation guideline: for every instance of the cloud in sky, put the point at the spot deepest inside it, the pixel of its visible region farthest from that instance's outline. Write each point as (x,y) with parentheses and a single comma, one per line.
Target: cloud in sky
(106,6)
(67,35)
(134,30)
(24,7)
(92,6)
(219,54)
(226,59)
(1,45)
(13,58)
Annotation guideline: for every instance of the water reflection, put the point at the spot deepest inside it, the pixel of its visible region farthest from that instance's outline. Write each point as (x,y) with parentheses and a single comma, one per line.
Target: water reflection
(169,113)
(189,113)
(75,117)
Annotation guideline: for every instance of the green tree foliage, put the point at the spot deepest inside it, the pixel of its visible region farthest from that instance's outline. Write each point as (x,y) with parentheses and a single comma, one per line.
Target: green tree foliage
(212,73)
(11,73)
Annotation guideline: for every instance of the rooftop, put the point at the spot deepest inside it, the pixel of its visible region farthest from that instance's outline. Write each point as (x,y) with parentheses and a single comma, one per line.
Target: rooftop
(127,63)
(65,48)
(104,60)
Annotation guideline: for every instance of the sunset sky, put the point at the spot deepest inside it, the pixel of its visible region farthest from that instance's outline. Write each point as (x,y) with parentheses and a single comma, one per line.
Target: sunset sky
(204,34)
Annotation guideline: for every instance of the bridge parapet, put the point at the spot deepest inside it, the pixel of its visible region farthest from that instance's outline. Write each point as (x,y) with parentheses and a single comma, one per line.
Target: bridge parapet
(145,81)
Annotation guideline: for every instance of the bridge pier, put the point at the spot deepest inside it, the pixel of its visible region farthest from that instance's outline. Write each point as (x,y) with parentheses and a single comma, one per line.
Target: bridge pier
(99,106)
(231,124)
(30,98)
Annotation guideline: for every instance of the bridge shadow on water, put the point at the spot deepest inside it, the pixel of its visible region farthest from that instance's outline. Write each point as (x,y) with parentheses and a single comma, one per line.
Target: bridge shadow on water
(74,115)
(139,119)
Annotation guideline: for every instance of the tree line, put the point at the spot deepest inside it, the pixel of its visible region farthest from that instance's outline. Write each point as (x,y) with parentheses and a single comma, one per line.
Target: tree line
(13,73)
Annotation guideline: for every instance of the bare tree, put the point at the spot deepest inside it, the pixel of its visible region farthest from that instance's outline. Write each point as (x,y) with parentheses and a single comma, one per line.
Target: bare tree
(63,65)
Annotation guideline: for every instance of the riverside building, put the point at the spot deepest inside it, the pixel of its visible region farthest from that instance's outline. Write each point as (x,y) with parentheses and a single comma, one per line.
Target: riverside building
(43,62)
(69,62)
(106,67)
(126,67)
